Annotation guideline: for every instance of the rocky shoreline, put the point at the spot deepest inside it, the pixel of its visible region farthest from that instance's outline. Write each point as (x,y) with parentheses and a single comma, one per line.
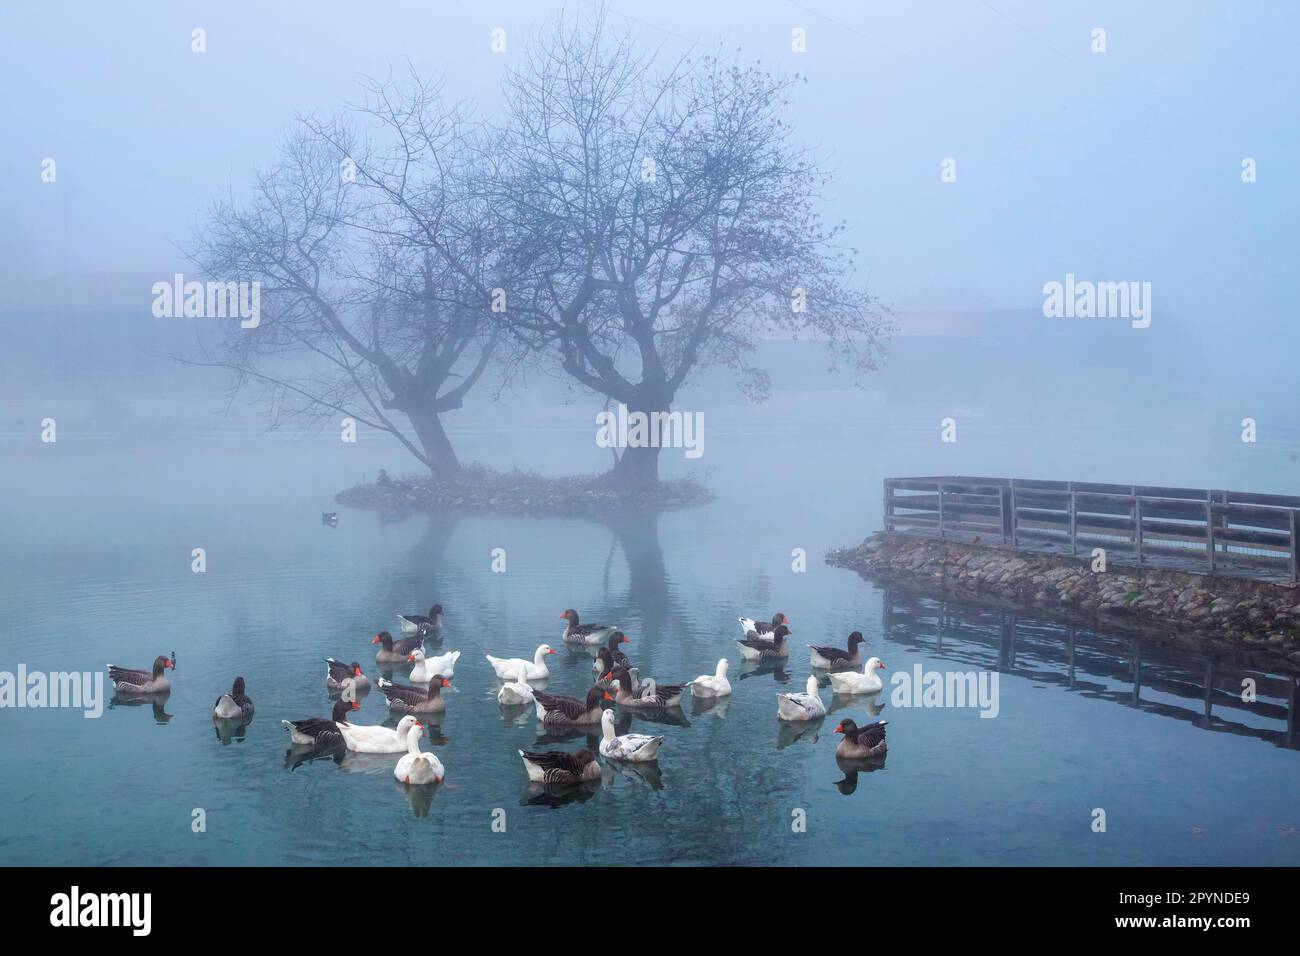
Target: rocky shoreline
(518,492)
(1261,615)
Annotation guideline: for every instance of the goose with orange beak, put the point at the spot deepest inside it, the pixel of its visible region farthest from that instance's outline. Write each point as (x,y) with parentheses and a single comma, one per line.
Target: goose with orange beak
(586,634)
(340,677)
(404,699)
(861,742)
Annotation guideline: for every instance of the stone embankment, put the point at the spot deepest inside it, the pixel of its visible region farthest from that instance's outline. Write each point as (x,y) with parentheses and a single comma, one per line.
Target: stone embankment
(1264,615)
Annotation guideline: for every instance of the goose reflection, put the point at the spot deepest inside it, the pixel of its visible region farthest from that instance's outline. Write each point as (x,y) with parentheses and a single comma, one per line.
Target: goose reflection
(713,706)
(873,703)
(775,668)
(851,769)
(790,732)
(420,796)
(299,754)
(559,795)
(639,773)
(563,734)
(230,729)
(157,702)
(672,716)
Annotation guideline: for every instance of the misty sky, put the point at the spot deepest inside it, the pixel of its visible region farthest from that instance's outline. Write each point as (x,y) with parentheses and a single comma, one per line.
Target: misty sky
(1116,166)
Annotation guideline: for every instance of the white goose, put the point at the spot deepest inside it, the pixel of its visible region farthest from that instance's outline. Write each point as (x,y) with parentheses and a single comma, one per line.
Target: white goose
(638,748)
(536,669)
(712,685)
(376,739)
(515,691)
(805,706)
(853,682)
(417,767)
(426,667)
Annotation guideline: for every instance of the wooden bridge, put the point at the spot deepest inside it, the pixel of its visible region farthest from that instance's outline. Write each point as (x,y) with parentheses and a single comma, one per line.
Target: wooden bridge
(1186,529)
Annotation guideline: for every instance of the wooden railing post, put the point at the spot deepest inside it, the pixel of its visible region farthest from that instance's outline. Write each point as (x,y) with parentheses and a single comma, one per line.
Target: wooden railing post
(1209,528)
(889,506)
(940,507)
(1074,522)
(1137,526)
(1015,516)
(1295,544)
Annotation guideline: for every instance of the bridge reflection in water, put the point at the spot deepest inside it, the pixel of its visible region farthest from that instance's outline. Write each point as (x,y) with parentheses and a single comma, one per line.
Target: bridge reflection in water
(1201,688)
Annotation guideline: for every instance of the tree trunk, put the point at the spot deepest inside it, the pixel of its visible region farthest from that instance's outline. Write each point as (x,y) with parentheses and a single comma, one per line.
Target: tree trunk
(443,463)
(637,470)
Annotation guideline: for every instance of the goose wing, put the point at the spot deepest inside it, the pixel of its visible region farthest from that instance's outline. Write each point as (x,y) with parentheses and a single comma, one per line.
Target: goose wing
(870,735)
(320,729)
(337,669)
(125,675)
(832,654)
(402,692)
(565,706)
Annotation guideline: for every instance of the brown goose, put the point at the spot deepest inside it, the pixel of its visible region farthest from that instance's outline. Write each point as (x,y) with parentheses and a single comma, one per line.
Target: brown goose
(395,652)
(589,634)
(236,704)
(859,742)
(757,649)
(762,629)
(556,710)
(651,696)
(557,767)
(404,699)
(828,657)
(127,681)
(340,676)
(317,731)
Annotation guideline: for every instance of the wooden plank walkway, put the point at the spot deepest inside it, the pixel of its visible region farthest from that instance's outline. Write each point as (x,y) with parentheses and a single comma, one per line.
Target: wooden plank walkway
(1206,531)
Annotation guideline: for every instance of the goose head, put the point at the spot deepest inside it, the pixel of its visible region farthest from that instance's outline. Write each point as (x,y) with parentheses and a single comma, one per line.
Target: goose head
(722,668)
(846,726)
(812,686)
(571,616)
(384,638)
(356,670)
(778,619)
(415,657)
(617,638)
(855,639)
(413,736)
(160,664)
(607,724)
(595,696)
(341,710)
(780,634)
(873,664)
(542,651)
(435,612)
(437,683)
(407,724)
(237,688)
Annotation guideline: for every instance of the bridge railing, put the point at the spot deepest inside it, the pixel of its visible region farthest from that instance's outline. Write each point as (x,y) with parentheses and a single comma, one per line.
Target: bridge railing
(1213,530)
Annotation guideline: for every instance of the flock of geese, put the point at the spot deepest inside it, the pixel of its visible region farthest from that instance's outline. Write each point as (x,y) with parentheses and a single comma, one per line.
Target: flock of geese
(616,679)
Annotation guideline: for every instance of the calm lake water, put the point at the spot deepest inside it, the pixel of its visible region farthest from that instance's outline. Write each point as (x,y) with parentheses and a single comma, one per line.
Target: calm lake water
(96,568)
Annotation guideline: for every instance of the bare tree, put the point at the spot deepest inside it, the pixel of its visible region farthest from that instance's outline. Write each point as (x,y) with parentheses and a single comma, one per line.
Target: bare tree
(662,222)
(355,319)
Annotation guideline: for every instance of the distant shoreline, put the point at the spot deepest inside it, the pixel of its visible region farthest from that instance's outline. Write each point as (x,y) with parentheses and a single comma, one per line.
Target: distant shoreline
(516,492)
